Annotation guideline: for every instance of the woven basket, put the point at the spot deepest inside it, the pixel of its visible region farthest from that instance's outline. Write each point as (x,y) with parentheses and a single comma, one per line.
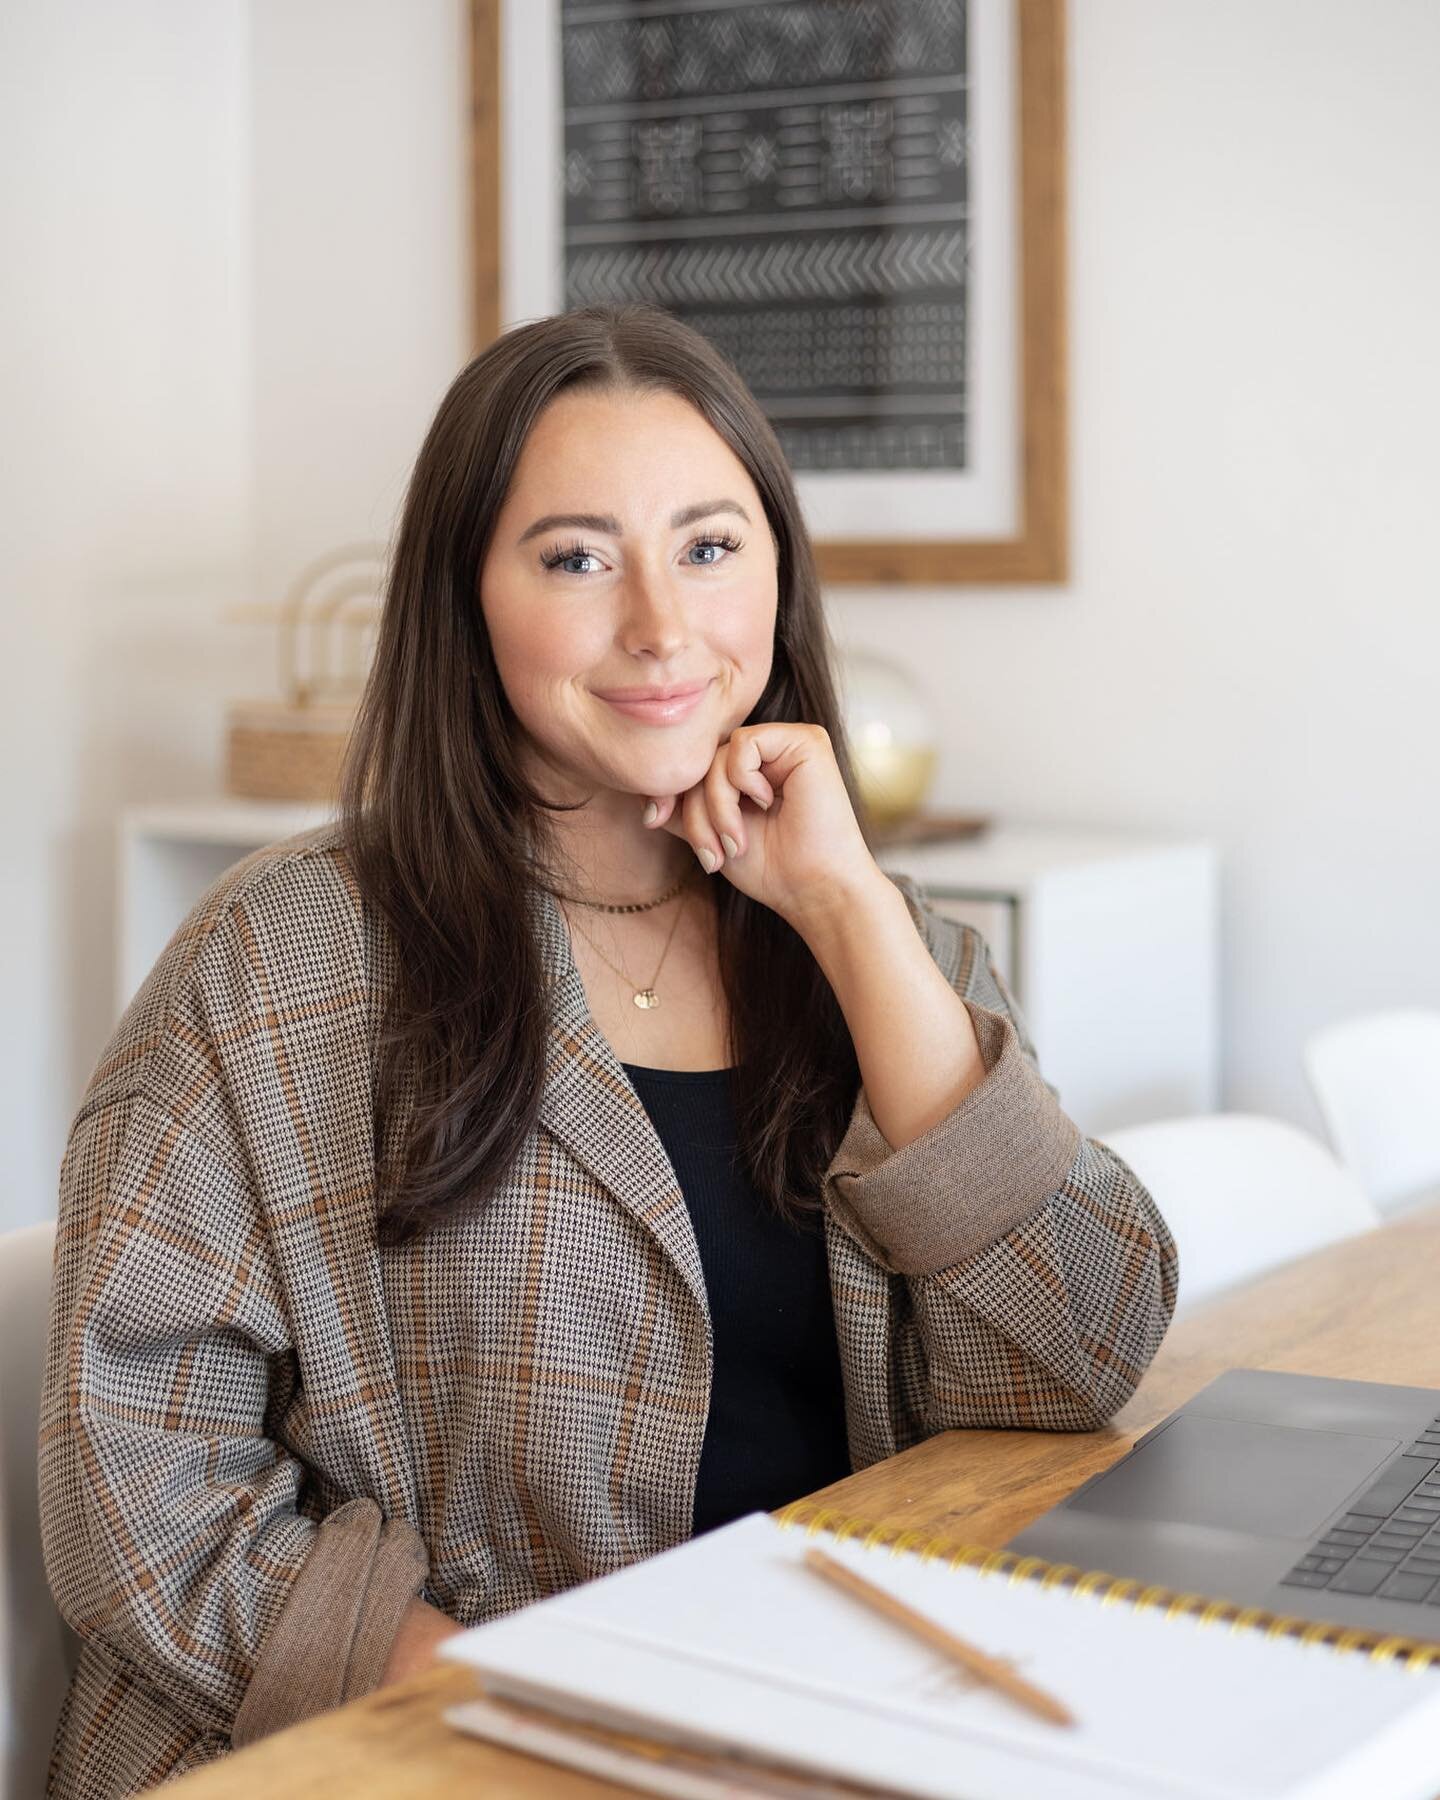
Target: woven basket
(292,749)
(279,751)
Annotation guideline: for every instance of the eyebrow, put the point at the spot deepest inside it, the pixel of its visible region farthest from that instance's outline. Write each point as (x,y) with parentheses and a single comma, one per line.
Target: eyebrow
(687,515)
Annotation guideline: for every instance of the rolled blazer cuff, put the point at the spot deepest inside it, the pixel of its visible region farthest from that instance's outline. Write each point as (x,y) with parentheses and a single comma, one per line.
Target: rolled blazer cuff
(983,1169)
(335,1632)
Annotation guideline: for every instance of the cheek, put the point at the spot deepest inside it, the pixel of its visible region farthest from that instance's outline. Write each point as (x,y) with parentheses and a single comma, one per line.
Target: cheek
(751,648)
(536,653)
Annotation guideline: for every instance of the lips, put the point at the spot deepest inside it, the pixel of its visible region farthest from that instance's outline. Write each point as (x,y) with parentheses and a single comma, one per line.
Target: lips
(656,705)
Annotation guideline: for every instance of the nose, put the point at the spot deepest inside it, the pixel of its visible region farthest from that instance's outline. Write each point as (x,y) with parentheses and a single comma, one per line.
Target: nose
(653,622)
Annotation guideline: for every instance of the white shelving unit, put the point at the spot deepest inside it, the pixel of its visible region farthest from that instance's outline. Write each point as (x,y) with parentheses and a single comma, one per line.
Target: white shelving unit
(1110,941)
(169,856)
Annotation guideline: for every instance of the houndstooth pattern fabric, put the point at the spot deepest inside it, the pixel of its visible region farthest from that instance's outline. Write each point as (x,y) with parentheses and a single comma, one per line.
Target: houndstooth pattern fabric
(232,1357)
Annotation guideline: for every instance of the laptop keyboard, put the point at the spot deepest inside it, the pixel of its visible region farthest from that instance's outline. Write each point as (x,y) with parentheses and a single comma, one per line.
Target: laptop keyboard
(1389,1541)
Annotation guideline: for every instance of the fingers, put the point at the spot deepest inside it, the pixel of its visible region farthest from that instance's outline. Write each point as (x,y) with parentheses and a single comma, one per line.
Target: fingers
(743,760)
(779,750)
(722,803)
(701,836)
(707,817)
(710,816)
(715,821)
(687,816)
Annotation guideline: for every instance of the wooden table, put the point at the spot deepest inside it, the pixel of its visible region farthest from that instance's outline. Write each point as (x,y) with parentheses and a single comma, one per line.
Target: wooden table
(1362,1309)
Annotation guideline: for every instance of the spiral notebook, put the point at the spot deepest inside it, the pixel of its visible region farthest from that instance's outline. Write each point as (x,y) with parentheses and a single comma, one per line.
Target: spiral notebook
(725,1667)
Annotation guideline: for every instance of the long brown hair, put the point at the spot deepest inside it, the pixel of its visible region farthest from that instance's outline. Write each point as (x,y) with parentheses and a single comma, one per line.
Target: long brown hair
(445,834)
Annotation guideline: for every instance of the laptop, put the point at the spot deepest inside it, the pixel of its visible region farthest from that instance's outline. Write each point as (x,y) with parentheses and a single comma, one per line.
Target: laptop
(1297,1493)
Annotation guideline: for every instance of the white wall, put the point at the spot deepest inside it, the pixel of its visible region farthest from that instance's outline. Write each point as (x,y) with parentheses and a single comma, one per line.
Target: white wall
(125,394)
(1250,644)
(1247,647)
(361,257)
(1250,640)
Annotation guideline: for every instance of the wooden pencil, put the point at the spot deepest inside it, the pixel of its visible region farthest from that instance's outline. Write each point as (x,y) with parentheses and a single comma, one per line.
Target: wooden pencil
(989,1669)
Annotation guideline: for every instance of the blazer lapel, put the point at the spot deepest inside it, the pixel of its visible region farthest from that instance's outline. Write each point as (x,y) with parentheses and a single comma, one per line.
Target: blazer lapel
(590,1106)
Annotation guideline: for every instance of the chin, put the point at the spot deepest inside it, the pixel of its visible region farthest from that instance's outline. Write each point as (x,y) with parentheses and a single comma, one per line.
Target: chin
(664,768)
(666,775)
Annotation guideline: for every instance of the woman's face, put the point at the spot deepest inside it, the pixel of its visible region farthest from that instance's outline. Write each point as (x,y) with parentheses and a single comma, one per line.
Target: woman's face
(629,591)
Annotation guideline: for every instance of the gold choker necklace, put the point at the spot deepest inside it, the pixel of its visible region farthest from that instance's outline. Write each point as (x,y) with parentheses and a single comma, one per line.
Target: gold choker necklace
(629,906)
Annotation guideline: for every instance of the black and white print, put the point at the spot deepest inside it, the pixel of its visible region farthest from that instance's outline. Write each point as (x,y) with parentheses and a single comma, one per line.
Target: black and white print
(791,177)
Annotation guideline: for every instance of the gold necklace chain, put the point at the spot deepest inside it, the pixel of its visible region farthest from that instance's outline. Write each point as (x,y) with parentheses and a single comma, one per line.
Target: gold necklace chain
(645,998)
(630,906)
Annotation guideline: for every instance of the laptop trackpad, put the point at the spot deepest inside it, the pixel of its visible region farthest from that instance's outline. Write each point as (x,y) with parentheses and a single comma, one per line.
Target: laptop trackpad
(1269,1480)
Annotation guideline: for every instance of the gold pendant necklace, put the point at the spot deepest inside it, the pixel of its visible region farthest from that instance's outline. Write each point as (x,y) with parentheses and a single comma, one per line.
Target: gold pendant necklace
(646,997)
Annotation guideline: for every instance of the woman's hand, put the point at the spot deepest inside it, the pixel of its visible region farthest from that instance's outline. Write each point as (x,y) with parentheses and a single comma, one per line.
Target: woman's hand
(775,791)
(776,794)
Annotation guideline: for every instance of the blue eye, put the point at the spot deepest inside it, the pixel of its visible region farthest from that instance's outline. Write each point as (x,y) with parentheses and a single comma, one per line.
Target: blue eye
(573,560)
(727,543)
(576,560)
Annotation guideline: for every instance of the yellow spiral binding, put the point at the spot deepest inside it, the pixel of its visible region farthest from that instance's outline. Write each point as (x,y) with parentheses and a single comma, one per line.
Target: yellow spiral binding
(1119,1590)
(1417,1655)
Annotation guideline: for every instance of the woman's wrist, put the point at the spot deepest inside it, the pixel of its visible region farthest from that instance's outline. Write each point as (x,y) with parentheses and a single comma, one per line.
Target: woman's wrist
(914,1040)
(847,908)
(423,1628)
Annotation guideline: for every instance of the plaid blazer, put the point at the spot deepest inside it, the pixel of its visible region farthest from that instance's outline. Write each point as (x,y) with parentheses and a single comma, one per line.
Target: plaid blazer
(263,1434)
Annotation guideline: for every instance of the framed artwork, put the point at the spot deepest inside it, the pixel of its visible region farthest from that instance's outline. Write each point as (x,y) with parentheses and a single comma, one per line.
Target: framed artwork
(862,202)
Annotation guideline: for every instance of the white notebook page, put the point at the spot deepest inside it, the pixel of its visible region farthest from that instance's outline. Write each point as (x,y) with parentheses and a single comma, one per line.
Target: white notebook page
(730,1637)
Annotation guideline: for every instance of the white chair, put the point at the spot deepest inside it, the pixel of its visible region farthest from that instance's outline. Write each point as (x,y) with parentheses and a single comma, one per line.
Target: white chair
(1377,1081)
(1241,1194)
(37,1649)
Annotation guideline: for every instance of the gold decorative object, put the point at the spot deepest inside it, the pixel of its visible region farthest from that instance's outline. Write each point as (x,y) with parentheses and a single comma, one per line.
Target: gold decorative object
(292,748)
(892,736)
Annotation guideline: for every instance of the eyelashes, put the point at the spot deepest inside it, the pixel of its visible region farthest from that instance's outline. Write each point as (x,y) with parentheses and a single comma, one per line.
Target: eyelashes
(563,553)
(717,540)
(552,558)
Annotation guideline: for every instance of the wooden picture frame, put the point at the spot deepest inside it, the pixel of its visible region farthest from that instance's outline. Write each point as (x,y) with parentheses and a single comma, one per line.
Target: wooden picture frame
(1038,549)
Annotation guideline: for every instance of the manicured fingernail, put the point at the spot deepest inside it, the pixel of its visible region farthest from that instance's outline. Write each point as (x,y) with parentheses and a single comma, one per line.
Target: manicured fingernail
(709,861)
(728,844)
(651,813)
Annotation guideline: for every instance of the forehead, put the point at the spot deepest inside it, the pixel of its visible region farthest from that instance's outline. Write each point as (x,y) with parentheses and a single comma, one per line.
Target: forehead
(628,446)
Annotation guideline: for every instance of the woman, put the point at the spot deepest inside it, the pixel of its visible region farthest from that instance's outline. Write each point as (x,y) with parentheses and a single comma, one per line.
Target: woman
(580,1143)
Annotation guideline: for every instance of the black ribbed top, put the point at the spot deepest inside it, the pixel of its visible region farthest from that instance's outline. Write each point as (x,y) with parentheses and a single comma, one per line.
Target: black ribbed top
(776,1428)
